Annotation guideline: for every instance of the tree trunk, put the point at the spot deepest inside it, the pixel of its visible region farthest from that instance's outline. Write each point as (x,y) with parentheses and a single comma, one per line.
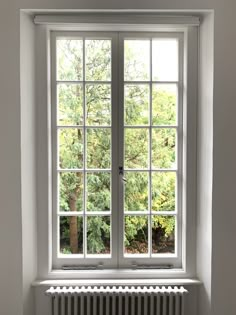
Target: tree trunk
(74,243)
(73,226)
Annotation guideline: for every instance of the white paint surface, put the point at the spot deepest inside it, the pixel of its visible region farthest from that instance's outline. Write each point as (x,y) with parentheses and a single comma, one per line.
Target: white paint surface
(28,161)
(217,269)
(204,163)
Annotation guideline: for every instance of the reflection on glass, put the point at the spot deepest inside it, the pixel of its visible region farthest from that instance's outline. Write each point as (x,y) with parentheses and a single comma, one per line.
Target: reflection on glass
(70,191)
(98,59)
(69,59)
(70,148)
(99,148)
(136,234)
(70,104)
(136,60)
(98,104)
(163,191)
(136,147)
(136,191)
(98,191)
(163,234)
(163,148)
(165,59)
(71,235)
(98,235)
(136,102)
(164,104)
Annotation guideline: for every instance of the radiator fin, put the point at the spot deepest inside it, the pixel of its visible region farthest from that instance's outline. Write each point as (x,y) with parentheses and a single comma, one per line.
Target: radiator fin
(93,300)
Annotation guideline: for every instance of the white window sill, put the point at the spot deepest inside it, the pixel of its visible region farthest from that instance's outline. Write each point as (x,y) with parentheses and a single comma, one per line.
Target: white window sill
(125,276)
(79,282)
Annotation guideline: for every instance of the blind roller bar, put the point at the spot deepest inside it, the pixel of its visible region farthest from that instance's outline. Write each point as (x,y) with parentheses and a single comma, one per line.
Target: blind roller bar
(128,19)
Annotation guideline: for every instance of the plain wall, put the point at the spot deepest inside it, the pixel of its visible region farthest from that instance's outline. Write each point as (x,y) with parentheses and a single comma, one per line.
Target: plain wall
(221,275)
(28,160)
(205,161)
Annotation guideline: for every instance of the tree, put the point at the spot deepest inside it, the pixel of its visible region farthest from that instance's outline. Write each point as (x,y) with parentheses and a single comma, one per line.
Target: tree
(98,145)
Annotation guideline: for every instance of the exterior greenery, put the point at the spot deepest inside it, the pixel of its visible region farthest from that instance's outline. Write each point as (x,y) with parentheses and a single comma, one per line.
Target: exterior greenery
(93,150)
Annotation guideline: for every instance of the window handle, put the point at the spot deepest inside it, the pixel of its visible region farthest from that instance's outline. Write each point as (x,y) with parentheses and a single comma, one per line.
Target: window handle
(121,173)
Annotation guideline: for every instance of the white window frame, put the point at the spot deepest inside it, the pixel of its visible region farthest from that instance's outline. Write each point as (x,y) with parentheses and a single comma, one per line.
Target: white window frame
(189,32)
(165,260)
(107,261)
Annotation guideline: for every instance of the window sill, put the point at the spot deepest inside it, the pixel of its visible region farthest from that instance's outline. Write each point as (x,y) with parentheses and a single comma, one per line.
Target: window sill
(114,281)
(164,276)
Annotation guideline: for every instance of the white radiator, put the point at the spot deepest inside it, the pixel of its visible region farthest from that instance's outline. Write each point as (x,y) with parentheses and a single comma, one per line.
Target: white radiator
(114,300)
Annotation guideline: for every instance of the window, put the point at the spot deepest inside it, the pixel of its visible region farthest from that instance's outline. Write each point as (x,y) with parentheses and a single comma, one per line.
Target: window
(118,152)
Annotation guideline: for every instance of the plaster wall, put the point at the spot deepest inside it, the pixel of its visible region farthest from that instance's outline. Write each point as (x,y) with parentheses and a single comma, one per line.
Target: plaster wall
(204,162)
(28,160)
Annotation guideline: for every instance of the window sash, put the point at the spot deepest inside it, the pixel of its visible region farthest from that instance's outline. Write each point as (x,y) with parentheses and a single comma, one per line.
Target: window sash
(162,259)
(117,156)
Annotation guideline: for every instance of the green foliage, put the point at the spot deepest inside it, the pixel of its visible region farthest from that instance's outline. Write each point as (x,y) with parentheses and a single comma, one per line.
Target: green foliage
(164,100)
(65,235)
(98,147)
(136,156)
(98,236)
(70,183)
(166,223)
(98,60)
(98,104)
(163,191)
(69,59)
(136,191)
(135,225)
(98,191)
(70,104)
(136,101)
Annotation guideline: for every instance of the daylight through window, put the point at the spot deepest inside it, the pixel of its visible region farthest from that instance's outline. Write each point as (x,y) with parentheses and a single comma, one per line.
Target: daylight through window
(117,131)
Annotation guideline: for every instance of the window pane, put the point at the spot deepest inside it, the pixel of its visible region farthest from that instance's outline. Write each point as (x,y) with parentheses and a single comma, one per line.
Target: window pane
(70,148)
(165,59)
(71,235)
(71,191)
(164,104)
(164,148)
(98,191)
(70,104)
(163,234)
(69,59)
(136,191)
(99,148)
(163,191)
(136,234)
(136,147)
(137,60)
(136,104)
(98,60)
(98,104)
(98,235)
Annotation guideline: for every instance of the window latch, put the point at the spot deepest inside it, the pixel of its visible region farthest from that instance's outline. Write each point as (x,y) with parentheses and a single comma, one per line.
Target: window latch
(83,267)
(134,266)
(121,173)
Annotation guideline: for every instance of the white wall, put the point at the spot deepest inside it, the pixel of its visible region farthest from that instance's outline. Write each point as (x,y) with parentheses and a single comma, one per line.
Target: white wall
(10,164)
(222,276)
(28,160)
(224,157)
(205,162)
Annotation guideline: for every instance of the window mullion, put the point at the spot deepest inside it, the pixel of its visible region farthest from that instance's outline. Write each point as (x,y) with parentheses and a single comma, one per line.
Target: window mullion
(115,151)
(121,147)
(84,161)
(150,160)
